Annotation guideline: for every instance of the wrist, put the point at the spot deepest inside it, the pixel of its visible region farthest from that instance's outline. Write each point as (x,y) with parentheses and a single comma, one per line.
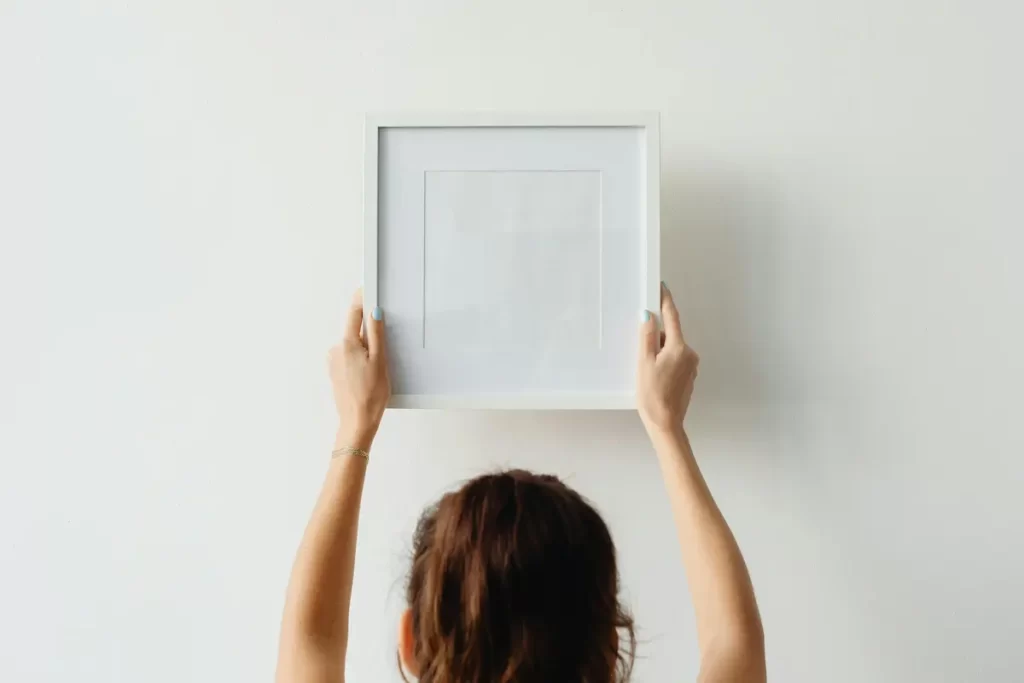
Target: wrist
(662,432)
(668,438)
(354,436)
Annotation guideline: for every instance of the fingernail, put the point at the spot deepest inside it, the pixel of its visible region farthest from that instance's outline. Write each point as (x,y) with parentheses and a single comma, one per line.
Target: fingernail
(663,285)
(378,314)
(645,316)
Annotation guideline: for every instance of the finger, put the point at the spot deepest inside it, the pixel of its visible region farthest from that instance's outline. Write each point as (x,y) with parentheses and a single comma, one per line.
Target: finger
(376,341)
(649,337)
(670,317)
(354,320)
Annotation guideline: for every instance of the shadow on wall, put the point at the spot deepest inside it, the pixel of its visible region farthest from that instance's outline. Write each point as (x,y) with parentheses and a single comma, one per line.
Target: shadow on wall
(764,280)
(746,264)
(725,256)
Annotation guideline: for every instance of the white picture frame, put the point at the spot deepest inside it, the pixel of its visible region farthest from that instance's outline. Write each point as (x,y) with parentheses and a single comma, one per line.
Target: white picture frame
(643,127)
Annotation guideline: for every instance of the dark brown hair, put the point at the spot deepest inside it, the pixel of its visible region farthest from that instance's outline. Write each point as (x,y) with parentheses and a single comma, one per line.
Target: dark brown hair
(514,581)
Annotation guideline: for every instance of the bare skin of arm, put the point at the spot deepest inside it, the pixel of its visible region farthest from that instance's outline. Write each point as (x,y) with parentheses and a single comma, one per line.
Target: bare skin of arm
(314,629)
(729,631)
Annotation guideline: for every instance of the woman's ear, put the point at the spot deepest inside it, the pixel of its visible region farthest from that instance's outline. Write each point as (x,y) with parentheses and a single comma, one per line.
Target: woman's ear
(407,643)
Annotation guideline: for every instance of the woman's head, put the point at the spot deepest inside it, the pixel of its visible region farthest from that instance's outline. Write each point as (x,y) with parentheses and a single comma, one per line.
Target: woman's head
(514,581)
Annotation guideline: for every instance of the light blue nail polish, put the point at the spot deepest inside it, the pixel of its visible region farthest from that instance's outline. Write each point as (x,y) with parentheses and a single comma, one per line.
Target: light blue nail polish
(645,316)
(663,285)
(377,313)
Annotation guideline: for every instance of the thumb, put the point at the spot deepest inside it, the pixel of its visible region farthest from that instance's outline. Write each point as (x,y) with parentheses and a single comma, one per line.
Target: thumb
(375,341)
(650,340)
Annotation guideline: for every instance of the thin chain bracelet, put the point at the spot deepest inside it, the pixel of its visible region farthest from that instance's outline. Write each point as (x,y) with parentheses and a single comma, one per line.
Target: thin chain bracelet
(348,450)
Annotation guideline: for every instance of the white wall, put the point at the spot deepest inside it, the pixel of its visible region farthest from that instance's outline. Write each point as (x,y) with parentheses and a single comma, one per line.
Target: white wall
(180,200)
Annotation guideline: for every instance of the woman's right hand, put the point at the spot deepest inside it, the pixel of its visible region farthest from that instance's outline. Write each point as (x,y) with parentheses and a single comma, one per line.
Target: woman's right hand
(666,370)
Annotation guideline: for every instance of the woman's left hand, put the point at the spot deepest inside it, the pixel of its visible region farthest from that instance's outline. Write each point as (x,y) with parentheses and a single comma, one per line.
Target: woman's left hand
(359,375)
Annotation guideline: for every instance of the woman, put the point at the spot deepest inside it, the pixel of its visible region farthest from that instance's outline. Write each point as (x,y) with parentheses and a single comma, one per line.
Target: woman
(513,577)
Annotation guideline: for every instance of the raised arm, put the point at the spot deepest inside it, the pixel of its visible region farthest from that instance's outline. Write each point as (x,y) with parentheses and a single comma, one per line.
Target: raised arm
(729,631)
(314,629)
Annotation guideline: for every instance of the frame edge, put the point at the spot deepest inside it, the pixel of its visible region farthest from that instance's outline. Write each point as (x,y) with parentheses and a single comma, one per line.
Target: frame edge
(371,139)
(649,121)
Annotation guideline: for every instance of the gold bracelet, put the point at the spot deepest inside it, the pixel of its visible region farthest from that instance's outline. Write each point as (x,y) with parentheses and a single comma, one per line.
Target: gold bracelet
(348,450)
